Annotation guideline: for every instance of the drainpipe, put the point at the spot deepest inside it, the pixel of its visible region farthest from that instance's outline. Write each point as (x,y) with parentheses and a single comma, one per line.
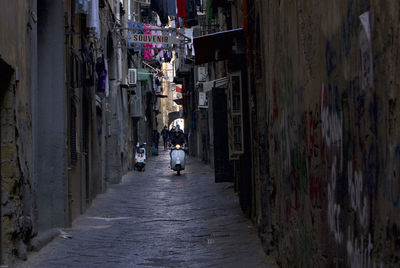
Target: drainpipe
(1,212)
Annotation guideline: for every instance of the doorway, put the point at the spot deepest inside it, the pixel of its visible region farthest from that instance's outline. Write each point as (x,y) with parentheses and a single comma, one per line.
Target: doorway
(6,72)
(222,166)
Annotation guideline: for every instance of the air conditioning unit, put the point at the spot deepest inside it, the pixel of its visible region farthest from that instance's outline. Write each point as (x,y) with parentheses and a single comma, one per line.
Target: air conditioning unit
(132,76)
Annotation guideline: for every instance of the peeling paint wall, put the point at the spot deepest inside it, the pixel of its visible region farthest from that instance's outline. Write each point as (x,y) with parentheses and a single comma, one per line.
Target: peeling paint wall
(328,140)
(118,142)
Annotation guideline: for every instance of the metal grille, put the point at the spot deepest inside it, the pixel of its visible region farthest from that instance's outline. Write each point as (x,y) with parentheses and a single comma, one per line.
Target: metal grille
(208,27)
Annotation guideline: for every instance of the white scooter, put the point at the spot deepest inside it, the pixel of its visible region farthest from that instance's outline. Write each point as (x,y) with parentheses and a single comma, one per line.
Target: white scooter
(177,158)
(140,157)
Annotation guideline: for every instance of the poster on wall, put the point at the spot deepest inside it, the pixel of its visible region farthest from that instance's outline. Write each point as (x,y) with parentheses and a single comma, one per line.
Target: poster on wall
(203,102)
(367,75)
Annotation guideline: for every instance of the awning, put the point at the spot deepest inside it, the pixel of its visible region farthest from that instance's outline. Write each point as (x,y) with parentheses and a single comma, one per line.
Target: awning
(207,46)
(143,75)
(220,82)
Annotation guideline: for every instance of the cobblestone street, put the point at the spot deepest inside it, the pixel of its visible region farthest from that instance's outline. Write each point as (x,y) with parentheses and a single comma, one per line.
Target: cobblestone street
(158,219)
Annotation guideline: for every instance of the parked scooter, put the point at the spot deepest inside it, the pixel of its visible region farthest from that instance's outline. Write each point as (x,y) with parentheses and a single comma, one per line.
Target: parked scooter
(177,158)
(140,157)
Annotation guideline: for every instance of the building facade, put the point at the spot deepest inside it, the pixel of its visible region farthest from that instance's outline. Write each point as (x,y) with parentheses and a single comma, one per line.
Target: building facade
(319,98)
(67,126)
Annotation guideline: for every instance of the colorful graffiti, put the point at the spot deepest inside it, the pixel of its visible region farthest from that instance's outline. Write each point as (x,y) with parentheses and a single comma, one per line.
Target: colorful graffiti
(335,155)
(333,206)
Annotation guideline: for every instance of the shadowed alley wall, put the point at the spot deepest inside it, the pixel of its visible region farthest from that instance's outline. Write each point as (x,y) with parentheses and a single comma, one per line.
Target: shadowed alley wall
(327,142)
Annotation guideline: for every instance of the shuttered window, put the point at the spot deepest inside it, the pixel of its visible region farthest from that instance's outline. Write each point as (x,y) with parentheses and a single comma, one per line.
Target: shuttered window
(235,116)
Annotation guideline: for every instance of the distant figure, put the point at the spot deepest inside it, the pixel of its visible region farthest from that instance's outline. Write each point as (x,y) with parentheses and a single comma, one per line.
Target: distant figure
(165,136)
(171,134)
(156,139)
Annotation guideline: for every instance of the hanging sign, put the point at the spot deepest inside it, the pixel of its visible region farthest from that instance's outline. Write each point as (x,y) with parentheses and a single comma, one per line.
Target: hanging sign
(146,38)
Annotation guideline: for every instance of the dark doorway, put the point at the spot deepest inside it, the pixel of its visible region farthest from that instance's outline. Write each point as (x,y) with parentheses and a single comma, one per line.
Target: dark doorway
(222,166)
(85,141)
(6,72)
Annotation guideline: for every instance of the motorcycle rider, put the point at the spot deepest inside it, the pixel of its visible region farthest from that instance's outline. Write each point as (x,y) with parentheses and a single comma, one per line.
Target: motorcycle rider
(178,138)
(177,153)
(171,135)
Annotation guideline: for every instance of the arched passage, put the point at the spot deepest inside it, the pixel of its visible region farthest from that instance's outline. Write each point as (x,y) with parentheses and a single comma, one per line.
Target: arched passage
(172,116)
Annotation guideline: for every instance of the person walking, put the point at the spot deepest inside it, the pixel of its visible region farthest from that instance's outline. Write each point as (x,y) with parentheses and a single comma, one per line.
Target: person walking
(156,138)
(165,136)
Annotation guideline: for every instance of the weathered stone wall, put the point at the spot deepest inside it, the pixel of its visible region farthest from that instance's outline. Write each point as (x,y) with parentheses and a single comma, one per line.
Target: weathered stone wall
(328,138)
(16,24)
(118,144)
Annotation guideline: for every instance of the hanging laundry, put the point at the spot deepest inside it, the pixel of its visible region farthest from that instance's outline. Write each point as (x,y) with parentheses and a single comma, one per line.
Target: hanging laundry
(156,84)
(158,46)
(93,19)
(161,8)
(172,22)
(172,8)
(200,5)
(158,20)
(101,72)
(81,7)
(134,28)
(181,5)
(148,52)
(189,47)
(191,13)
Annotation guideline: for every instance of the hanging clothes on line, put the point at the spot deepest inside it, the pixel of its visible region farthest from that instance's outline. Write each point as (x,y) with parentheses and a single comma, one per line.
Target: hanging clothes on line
(191,13)
(158,47)
(82,7)
(148,51)
(172,8)
(101,72)
(134,28)
(161,8)
(93,18)
(182,19)
(189,47)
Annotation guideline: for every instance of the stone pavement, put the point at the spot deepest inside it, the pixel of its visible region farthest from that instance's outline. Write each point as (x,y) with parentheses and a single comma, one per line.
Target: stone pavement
(158,219)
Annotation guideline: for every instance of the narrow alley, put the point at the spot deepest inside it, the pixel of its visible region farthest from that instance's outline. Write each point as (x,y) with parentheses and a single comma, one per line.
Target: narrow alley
(289,109)
(158,219)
